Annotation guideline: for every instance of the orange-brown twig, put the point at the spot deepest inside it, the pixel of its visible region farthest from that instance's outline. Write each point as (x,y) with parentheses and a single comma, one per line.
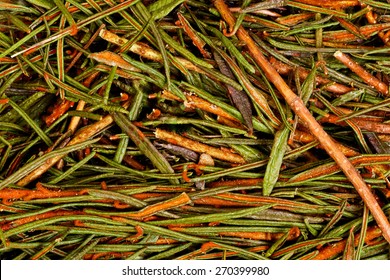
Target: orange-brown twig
(179,200)
(292,20)
(164,240)
(137,236)
(8,195)
(304,137)
(331,3)
(238,200)
(371,18)
(297,246)
(350,27)
(143,196)
(285,69)
(58,111)
(144,50)
(269,236)
(361,122)
(107,255)
(78,54)
(210,256)
(362,73)
(176,139)
(112,59)
(332,250)
(340,37)
(55,213)
(194,101)
(238,182)
(331,168)
(196,40)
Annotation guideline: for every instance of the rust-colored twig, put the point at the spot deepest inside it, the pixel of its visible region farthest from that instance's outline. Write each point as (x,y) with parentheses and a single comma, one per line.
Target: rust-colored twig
(269,236)
(113,59)
(331,3)
(87,45)
(300,109)
(219,255)
(350,27)
(58,110)
(292,20)
(176,139)
(179,200)
(144,50)
(237,182)
(363,123)
(238,200)
(332,250)
(8,195)
(371,18)
(194,101)
(331,168)
(196,40)
(107,255)
(47,215)
(362,73)
(344,36)
(304,137)
(285,69)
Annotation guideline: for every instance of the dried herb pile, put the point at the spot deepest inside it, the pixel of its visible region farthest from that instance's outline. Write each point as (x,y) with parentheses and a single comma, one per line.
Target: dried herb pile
(194,129)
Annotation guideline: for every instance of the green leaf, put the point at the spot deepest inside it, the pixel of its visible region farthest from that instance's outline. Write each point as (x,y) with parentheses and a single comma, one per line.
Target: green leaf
(161,8)
(144,144)
(42,3)
(309,85)
(275,161)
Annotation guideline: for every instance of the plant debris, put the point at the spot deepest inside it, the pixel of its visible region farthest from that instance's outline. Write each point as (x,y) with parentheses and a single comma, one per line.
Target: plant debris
(194,129)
